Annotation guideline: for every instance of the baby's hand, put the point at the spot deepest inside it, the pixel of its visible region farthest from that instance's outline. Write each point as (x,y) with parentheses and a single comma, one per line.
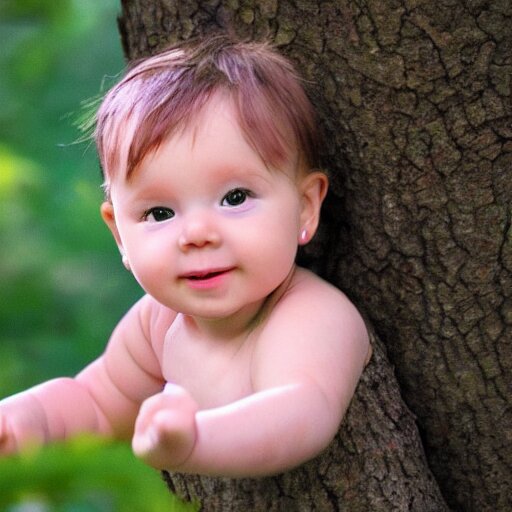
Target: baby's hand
(20,426)
(165,430)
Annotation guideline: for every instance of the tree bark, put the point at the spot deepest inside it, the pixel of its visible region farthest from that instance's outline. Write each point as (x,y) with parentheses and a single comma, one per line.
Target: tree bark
(414,99)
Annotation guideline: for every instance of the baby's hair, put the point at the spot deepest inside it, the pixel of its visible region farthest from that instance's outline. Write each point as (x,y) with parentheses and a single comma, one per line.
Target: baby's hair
(162,94)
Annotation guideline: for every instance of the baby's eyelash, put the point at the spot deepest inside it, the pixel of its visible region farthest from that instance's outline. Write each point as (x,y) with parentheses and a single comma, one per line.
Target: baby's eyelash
(236,197)
(158,214)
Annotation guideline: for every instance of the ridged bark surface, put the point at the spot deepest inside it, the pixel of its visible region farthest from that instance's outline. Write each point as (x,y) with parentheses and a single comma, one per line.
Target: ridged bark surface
(414,98)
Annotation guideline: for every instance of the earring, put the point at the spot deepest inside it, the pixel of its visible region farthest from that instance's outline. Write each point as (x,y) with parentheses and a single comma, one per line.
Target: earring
(304,236)
(125,261)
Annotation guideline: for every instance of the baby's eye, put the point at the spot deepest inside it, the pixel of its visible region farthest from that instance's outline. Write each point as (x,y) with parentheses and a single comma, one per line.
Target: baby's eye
(235,197)
(158,214)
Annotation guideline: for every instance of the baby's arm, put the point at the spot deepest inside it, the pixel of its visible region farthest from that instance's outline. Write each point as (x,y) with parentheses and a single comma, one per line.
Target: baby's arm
(104,398)
(305,369)
(54,410)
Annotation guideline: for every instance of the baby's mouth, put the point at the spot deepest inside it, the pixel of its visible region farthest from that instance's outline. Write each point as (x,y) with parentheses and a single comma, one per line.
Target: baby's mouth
(205,275)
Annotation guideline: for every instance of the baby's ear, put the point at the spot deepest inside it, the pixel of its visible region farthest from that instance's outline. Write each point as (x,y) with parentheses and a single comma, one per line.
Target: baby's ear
(313,189)
(107,213)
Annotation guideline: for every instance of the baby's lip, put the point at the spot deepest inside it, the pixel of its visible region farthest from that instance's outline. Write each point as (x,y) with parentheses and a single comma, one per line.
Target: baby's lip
(206,273)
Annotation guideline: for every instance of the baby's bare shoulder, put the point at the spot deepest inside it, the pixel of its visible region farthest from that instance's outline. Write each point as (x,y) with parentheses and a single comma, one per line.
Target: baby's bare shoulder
(314,332)
(310,292)
(315,311)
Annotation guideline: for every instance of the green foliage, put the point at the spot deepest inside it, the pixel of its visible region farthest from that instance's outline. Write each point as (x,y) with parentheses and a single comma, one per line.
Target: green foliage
(63,288)
(85,475)
(62,285)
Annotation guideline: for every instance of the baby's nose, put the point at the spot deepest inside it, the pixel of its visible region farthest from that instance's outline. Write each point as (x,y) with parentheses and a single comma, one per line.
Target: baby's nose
(199,230)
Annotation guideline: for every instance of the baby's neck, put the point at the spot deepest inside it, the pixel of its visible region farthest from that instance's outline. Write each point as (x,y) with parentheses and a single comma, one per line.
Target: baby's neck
(233,327)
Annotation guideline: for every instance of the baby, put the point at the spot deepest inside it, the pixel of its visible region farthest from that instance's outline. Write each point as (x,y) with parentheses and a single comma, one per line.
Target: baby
(236,362)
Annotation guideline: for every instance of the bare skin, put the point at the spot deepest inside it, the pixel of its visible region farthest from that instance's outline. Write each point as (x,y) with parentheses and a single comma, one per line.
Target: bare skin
(236,362)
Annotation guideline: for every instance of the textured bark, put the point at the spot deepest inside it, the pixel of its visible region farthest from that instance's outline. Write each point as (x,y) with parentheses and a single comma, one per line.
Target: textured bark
(414,97)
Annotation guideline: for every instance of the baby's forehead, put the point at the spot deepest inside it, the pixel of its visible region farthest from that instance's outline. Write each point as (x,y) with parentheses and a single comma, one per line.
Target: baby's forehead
(217,117)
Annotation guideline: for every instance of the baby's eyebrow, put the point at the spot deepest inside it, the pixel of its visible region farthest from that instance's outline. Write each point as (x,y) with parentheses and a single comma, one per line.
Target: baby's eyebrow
(248,174)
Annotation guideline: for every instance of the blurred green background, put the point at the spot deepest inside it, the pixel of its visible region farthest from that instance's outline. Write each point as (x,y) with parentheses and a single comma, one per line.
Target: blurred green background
(62,285)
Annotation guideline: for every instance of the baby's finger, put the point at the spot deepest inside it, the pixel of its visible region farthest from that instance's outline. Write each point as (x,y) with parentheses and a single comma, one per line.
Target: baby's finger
(167,441)
(144,442)
(146,412)
(147,440)
(151,407)
(173,397)
(179,398)
(176,392)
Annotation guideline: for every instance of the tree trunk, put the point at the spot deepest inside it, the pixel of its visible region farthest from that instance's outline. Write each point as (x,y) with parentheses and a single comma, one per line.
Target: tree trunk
(414,98)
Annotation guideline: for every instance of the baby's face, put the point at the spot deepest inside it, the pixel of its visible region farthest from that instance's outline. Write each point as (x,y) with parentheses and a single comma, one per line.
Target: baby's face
(207,228)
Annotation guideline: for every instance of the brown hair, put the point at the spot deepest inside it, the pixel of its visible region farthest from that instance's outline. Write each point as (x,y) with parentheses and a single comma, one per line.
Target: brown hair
(162,94)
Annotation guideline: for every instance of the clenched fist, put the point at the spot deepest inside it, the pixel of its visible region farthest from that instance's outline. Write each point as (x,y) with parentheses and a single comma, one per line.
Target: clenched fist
(165,430)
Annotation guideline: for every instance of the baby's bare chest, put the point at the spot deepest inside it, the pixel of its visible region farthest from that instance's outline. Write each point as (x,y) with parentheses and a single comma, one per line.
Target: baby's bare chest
(214,373)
